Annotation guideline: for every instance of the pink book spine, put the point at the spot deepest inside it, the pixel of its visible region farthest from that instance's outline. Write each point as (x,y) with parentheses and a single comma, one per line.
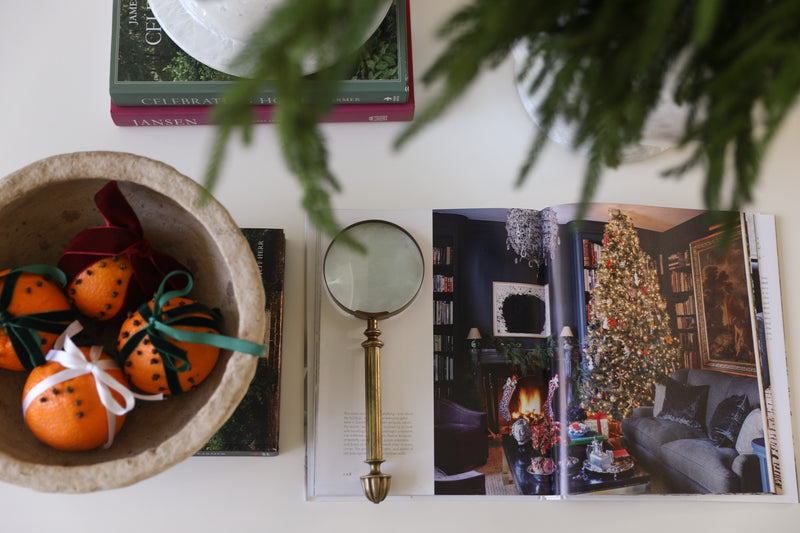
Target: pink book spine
(201,115)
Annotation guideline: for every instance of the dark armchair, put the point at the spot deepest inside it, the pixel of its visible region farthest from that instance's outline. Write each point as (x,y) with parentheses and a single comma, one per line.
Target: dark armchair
(460,444)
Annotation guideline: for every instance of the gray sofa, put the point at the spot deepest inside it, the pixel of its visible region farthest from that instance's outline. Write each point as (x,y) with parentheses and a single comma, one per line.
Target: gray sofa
(685,457)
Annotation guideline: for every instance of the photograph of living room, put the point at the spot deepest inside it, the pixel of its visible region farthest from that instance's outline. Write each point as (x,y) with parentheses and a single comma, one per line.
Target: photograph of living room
(648,367)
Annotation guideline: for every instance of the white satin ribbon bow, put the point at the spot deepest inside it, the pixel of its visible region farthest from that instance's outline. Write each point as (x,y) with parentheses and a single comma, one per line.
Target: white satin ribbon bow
(75,364)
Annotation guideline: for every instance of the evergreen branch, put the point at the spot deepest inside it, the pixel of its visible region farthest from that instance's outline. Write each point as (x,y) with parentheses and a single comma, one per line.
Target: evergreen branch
(297,30)
(481,35)
(714,174)
(591,179)
(705,21)
(215,160)
(533,154)
(600,66)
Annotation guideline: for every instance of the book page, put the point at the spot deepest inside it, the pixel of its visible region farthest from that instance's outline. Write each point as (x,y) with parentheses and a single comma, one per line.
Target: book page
(780,443)
(336,440)
(482,353)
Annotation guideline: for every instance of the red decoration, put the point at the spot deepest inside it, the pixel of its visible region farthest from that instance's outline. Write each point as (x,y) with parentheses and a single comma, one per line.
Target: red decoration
(545,433)
(122,235)
(612,322)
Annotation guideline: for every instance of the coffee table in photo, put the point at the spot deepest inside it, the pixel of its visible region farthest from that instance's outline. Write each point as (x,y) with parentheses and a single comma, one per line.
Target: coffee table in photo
(517,459)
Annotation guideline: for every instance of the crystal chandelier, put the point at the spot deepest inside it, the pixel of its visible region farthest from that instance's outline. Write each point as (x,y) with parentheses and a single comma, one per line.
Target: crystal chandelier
(533,235)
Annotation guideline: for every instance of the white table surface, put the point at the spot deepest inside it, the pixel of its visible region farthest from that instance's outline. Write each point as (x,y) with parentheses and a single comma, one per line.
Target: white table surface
(54,60)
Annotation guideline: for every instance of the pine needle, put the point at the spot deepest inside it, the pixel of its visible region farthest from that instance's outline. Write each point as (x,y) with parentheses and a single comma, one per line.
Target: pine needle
(599,65)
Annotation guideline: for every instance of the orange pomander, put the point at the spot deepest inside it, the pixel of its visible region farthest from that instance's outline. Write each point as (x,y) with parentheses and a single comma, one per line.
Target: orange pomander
(99,291)
(144,363)
(33,295)
(69,415)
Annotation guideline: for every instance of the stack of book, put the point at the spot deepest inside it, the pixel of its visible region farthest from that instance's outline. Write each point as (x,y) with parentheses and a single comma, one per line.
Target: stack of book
(155,83)
(252,429)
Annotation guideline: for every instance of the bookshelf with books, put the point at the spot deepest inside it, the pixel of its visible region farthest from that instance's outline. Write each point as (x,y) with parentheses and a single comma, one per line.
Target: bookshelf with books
(444,313)
(680,285)
(149,69)
(448,334)
(586,238)
(681,303)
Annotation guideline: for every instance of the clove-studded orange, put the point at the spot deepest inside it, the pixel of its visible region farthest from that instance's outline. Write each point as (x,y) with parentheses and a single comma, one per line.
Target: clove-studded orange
(69,415)
(99,290)
(145,366)
(33,293)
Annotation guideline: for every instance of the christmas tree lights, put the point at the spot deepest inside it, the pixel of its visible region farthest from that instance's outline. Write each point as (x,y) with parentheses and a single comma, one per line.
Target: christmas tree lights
(629,344)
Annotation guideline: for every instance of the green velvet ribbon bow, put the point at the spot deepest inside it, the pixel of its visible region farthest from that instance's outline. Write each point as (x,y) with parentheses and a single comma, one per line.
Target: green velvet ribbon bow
(162,325)
(23,330)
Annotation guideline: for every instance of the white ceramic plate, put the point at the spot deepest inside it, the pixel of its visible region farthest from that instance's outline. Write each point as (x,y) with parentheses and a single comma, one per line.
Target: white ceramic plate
(214,32)
(661,132)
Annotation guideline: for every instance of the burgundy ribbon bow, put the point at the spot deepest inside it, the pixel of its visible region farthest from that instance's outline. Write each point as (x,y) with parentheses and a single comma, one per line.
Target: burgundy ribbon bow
(121,236)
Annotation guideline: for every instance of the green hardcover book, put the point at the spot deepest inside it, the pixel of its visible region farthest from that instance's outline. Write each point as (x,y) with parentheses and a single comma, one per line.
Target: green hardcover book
(253,427)
(149,69)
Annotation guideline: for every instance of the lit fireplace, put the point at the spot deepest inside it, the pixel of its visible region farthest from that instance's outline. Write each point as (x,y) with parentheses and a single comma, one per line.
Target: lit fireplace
(529,401)
(527,398)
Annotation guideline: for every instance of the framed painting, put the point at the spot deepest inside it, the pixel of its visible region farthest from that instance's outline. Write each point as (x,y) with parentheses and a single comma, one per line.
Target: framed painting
(520,309)
(723,306)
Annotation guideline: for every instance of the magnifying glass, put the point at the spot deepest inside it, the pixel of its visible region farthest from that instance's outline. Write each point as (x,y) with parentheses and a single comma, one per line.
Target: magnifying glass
(373,285)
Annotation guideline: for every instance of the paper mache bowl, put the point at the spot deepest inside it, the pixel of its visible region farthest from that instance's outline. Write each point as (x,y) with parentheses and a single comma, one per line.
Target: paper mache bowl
(42,207)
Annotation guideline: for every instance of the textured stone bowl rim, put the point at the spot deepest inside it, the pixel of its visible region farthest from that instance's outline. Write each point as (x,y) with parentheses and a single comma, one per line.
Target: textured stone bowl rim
(240,368)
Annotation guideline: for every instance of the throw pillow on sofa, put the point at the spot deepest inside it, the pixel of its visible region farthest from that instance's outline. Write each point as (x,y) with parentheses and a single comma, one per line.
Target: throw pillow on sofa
(685,404)
(723,429)
(752,428)
(658,399)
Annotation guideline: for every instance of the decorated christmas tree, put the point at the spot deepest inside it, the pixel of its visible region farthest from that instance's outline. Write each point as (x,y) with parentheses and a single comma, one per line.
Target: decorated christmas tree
(629,343)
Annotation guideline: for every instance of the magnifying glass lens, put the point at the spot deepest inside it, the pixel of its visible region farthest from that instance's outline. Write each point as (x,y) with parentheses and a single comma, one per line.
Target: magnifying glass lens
(381,281)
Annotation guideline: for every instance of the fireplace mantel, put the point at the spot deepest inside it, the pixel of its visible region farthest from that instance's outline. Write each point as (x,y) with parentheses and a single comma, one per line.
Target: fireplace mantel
(491,357)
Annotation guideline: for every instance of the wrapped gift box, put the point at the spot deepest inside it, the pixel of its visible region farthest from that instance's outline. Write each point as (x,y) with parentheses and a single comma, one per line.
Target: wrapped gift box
(598,423)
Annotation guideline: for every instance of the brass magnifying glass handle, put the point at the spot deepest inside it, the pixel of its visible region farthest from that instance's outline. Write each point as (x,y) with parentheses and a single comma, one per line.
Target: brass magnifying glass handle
(377,284)
(375,484)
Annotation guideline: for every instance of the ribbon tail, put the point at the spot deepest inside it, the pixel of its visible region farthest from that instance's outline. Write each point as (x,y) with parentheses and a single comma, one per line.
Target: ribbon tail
(28,343)
(115,208)
(73,329)
(148,397)
(112,428)
(214,339)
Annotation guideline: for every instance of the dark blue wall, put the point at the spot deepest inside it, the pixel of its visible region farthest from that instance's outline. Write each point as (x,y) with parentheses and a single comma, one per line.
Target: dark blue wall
(483,260)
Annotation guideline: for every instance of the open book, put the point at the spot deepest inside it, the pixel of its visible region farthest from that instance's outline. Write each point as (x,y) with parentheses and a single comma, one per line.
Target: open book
(636,350)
